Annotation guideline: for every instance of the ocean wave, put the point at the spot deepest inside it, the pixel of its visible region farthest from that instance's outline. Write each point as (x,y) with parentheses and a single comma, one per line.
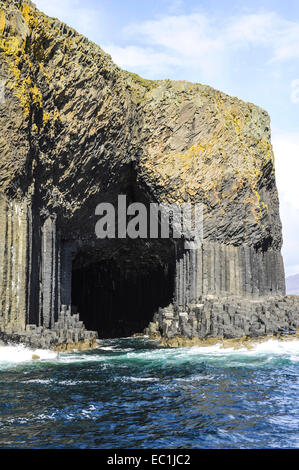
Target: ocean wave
(262,353)
(18,354)
(259,353)
(138,379)
(67,415)
(39,381)
(115,349)
(195,378)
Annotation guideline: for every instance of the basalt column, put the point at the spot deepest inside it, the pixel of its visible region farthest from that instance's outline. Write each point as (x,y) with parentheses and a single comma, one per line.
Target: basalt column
(224,269)
(50,271)
(29,267)
(14,251)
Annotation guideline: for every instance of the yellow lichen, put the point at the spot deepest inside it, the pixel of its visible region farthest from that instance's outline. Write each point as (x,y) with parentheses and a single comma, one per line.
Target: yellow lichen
(19,62)
(2,21)
(29,15)
(46,117)
(10,46)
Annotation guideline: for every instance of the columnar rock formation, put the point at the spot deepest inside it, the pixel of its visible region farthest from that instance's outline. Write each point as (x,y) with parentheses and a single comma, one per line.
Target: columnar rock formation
(75,131)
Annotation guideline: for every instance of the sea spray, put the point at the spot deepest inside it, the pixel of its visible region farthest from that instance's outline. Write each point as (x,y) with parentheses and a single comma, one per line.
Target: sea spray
(17,354)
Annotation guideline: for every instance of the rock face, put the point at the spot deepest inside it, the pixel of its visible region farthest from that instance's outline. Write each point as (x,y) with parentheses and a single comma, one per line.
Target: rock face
(76,131)
(222,317)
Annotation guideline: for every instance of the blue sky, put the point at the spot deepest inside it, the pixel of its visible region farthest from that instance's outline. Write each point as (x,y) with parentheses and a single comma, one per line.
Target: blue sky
(248,49)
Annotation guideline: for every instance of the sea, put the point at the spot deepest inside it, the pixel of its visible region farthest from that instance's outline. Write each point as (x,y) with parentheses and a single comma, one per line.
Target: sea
(130,393)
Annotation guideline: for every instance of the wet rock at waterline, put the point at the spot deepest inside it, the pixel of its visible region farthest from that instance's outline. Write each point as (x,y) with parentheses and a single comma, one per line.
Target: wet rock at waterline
(226,318)
(77,131)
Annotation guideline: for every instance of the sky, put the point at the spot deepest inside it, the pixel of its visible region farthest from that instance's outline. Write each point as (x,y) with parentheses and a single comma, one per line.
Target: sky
(246,48)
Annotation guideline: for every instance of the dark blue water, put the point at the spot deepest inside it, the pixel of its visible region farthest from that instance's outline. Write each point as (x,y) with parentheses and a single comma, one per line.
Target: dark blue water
(131,394)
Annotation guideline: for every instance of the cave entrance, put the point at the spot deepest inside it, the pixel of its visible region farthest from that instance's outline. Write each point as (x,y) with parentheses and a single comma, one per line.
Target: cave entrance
(118,295)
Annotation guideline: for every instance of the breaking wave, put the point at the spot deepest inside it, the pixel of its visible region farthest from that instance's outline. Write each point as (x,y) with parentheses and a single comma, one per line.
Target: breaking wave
(11,355)
(110,352)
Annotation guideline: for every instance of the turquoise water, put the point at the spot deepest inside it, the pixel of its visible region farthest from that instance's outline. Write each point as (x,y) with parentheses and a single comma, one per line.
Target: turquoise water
(132,394)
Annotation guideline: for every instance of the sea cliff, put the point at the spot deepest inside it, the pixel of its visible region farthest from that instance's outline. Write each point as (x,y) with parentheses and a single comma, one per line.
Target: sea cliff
(76,130)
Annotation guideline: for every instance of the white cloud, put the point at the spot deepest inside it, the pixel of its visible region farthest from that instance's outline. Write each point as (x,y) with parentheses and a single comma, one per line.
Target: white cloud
(128,57)
(258,28)
(286,46)
(182,41)
(286,150)
(178,33)
(293,270)
(189,41)
(295,92)
(208,43)
(290,227)
(175,6)
(85,20)
(269,30)
(199,42)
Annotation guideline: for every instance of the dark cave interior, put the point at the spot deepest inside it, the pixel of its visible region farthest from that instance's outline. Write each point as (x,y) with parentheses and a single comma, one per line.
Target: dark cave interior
(119,284)
(118,296)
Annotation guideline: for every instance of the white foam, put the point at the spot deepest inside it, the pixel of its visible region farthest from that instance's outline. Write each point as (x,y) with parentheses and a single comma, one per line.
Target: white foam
(19,354)
(115,349)
(195,378)
(277,347)
(139,379)
(67,358)
(75,382)
(263,352)
(270,346)
(39,381)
